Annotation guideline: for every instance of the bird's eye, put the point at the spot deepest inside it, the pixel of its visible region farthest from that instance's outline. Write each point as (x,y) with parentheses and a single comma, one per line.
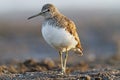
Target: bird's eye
(48,10)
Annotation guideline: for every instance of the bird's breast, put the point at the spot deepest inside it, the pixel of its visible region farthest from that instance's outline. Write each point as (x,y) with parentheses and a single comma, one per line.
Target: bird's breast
(58,37)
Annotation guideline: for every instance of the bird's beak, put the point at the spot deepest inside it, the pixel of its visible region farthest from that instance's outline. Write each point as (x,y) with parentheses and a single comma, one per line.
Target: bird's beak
(35,15)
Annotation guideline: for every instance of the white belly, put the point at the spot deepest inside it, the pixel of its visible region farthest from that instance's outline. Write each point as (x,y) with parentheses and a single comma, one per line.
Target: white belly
(58,38)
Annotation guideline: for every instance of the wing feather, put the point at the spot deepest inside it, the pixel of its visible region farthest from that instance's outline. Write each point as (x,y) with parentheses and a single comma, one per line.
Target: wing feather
(71,28)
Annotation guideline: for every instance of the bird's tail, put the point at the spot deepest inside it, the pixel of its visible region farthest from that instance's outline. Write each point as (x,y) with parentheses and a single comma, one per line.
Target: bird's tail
(78,51)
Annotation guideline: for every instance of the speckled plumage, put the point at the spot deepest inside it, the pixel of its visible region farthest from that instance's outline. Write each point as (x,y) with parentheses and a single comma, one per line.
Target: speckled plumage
(61,21)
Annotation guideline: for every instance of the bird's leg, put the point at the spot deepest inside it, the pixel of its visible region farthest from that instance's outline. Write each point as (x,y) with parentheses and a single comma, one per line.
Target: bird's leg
(61,60)
(65,61)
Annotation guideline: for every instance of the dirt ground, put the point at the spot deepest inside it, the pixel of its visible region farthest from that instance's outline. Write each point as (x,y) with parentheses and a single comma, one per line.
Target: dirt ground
(49,69)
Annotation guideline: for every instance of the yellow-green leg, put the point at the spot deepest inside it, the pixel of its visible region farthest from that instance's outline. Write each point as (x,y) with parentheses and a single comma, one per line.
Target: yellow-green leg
(61,60)
(65,61)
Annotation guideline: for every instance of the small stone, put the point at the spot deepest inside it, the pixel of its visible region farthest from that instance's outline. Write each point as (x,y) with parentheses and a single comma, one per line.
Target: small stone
(49,62)
(98,78)
(87,77)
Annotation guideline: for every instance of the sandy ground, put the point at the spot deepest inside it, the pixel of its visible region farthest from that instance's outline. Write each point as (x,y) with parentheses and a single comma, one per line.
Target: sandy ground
(50,70)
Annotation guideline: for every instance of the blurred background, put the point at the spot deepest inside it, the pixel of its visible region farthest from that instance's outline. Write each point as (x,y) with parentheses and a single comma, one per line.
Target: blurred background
(97,21)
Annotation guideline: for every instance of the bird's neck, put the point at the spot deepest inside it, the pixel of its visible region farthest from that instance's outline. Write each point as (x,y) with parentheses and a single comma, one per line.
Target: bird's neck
(55,20)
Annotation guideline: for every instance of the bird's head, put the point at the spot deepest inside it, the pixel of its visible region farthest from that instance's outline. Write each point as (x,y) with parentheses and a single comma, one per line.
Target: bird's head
(48,11)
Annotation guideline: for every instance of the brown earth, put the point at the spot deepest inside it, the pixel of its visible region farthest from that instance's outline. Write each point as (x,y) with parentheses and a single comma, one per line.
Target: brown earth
(50,70)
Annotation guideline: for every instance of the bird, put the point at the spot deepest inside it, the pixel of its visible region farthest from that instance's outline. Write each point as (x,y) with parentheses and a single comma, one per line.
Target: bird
(60,33)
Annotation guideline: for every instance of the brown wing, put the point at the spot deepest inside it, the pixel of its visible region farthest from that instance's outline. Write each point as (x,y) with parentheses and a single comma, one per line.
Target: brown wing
(70,27)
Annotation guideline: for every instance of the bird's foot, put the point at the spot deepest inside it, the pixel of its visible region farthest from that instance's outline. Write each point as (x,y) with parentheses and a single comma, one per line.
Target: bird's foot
(62,72)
